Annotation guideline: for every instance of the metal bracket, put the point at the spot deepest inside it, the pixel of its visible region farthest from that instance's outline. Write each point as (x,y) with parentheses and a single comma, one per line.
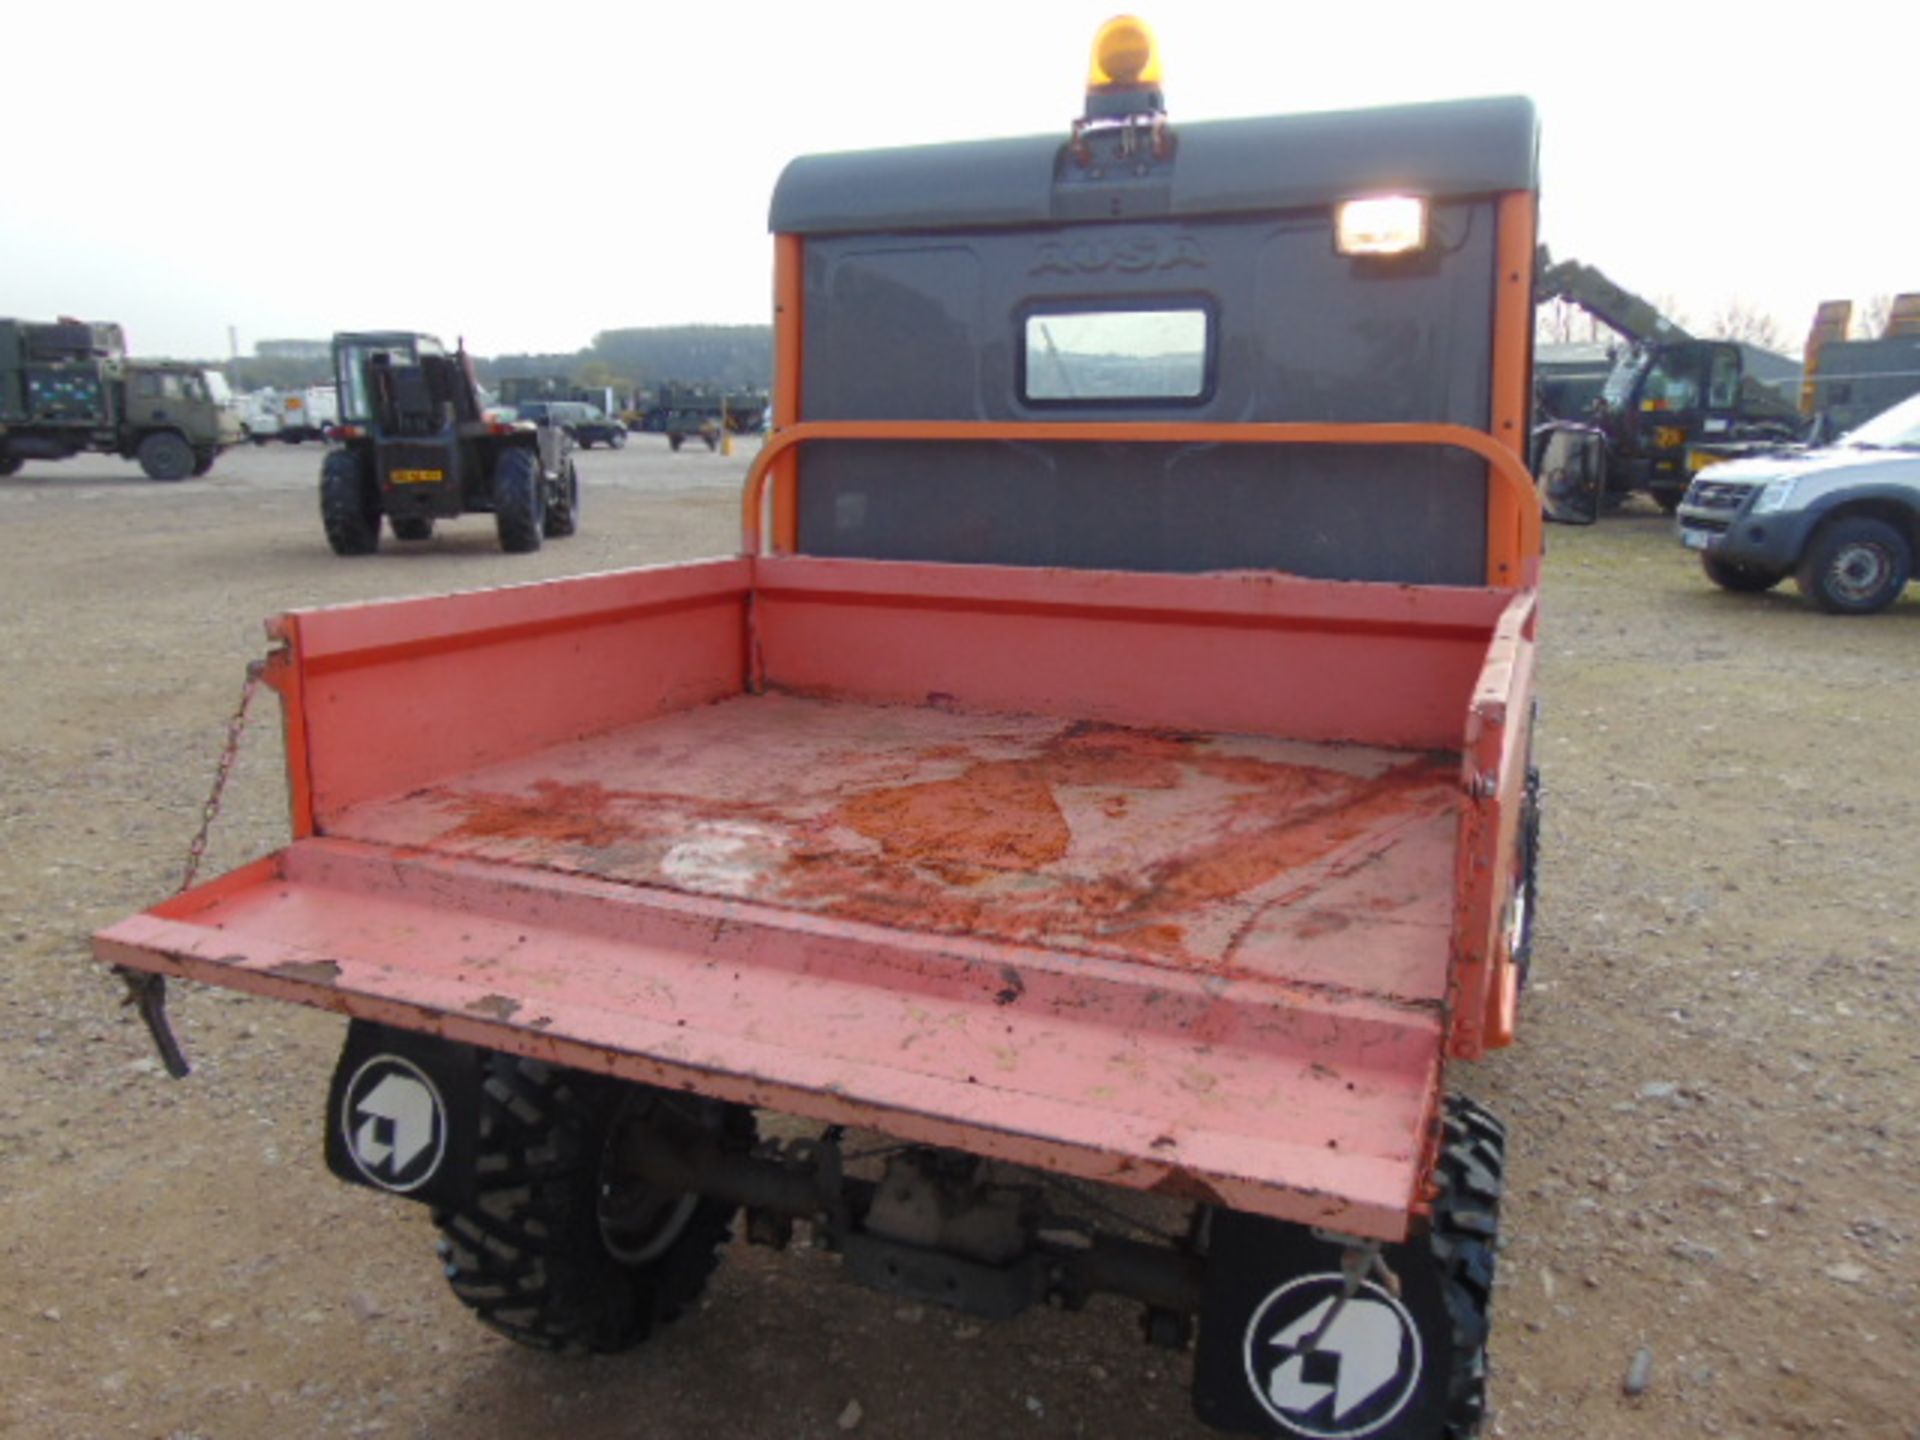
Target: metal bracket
(147,993)
(1360,1260)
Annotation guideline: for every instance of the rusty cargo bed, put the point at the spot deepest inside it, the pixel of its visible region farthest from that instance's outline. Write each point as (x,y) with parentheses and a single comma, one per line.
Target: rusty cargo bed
(1167,881)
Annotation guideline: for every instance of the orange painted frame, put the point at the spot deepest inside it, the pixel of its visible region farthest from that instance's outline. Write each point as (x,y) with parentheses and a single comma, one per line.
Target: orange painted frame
(1514,536)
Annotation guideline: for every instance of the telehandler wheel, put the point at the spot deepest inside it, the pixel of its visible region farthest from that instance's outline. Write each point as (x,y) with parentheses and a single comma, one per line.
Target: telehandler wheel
(411,527)
(1855,565)
(559,1249)
(1279,1355)
(349,505)
(165,456)
(1741,579)
(518,500)
(563,508)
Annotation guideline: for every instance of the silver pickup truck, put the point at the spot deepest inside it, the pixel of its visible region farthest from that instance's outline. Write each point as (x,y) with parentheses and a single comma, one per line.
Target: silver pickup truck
(1842,519)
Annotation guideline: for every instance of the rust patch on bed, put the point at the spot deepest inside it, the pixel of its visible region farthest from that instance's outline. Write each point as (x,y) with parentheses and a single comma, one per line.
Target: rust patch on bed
(971,854)
(569,814)
(996,816)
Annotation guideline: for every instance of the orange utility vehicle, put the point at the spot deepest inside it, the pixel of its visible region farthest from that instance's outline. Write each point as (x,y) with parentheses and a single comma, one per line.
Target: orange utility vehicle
(1105,765)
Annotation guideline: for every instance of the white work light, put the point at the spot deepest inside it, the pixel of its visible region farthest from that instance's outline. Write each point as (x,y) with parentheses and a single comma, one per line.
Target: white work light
(1380,225)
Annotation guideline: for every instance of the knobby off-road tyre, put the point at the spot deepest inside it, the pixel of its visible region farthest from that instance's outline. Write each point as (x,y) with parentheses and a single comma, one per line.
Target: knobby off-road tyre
(164,455)
(1855,565)
(563,509)
(518,496)
(1740,579)
(1280,1355)
(349,505)
(411,527)
(531,1255)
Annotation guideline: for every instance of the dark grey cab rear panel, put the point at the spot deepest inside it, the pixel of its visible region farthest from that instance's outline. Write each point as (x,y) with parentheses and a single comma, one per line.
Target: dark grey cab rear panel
(929,326)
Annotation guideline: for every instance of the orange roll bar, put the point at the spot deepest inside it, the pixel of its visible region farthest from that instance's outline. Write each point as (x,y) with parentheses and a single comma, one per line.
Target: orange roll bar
(1511,549)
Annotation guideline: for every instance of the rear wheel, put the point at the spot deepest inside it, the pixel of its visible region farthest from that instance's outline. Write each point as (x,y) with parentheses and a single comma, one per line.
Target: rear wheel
(411,527)
(674,441)
(1283,1354)
(1741,579)
(561,1248)
(349,505)
(713,442)
(203,461)
(1855,566)
(165,456)
(563,507)
(518,509)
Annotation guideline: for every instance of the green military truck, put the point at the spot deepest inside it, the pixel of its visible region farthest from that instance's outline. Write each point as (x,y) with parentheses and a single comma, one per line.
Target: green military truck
(68,387)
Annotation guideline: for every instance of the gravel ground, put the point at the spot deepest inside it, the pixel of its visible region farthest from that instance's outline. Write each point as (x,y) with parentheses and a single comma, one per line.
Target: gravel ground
(1712,1102)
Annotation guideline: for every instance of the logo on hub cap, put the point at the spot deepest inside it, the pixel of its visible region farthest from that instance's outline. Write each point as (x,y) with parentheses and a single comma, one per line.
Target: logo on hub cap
(394,1123)
(1355,1378)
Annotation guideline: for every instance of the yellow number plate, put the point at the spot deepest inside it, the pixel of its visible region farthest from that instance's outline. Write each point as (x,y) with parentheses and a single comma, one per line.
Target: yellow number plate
(416,477)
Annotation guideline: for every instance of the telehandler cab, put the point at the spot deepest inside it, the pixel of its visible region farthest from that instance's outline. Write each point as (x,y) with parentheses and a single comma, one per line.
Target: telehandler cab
(414,445)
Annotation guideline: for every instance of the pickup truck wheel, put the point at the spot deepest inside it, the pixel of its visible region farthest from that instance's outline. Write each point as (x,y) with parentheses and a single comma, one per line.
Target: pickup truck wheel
(411,527)
(165,456)
(349,506)
(563,507)
(1741,579)
(1856,565)
(518,496)
(1276,1358)
(558,1249)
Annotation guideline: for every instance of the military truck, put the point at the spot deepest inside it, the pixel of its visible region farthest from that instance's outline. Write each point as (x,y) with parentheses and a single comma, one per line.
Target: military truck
(1072,778)
(415,444)
(68,388)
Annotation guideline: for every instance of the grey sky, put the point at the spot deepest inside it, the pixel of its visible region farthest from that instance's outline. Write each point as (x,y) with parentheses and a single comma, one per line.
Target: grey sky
(528,175)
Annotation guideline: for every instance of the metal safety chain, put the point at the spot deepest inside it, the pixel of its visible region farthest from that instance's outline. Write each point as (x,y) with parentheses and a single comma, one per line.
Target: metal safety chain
(229,752)
(146,991)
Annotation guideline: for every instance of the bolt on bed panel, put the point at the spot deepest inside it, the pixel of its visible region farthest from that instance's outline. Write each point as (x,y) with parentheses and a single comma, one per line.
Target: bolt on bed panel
(930,327)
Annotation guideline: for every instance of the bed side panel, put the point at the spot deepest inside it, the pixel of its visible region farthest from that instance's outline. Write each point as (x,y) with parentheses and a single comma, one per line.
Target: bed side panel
(1246,653)
(396,695)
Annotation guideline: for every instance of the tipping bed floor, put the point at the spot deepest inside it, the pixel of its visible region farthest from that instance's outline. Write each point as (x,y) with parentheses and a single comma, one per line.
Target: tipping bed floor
(1323,864)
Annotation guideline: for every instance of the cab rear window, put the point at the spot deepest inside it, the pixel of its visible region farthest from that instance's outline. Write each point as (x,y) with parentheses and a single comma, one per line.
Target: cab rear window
(1094,356)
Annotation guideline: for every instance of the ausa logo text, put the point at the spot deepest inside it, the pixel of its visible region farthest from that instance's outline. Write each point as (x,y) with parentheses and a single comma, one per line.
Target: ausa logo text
(1136,255)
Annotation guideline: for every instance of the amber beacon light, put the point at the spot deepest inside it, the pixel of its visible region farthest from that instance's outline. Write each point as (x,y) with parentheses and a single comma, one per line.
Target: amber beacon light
(1124,78)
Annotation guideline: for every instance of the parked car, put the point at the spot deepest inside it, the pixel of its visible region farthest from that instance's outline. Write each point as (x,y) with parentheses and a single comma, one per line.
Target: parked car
(1842,519)
(589,425)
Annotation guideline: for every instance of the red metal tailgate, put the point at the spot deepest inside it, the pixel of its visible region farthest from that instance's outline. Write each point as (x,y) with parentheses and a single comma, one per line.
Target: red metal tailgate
(1292,1100)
